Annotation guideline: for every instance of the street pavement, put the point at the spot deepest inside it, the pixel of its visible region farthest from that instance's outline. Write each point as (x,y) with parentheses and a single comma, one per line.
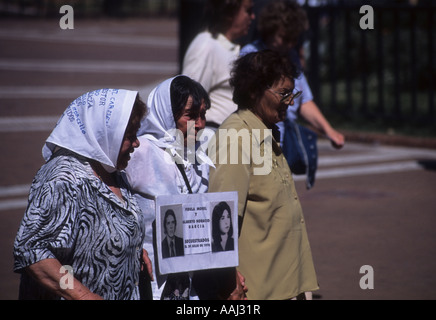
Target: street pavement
(372,205)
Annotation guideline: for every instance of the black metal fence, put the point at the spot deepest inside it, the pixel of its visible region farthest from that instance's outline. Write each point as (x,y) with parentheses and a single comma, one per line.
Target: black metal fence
(383,76)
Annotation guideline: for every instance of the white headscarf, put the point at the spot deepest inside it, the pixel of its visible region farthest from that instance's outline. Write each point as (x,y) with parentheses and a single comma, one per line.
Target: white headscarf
(93,126)
(159,127)
(151,170)
(159,122)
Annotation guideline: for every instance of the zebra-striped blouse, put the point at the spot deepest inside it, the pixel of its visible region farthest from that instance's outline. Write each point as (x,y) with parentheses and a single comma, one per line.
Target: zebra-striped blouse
(74,217)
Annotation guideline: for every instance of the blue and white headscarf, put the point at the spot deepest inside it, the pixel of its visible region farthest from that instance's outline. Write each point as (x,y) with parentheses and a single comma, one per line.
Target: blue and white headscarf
(93,126)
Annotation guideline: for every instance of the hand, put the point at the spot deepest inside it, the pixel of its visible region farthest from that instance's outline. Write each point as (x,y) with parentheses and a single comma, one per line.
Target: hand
(310,111)
(46,272)
(337,139)
(240,291)
(146,263)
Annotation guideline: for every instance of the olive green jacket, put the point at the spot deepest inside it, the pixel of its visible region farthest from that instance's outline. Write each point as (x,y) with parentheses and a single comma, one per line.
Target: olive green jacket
(274,251)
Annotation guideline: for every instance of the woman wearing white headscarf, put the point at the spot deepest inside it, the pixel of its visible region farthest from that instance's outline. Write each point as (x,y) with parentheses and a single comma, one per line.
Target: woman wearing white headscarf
(167,135)
(82,231)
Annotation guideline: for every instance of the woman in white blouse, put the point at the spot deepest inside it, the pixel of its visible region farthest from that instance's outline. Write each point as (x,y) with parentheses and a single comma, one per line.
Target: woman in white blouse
(169,162)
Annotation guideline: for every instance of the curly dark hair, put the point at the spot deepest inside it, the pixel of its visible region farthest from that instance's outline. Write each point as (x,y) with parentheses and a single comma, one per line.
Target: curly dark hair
(286,14)
(255,72)
(219,15)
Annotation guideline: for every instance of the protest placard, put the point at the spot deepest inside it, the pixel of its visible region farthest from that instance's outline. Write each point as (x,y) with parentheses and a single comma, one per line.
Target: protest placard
(197,231)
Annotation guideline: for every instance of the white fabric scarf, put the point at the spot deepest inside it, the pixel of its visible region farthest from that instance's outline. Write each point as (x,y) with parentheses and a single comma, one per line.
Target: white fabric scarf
(159,120)
(159,126)
(93,126)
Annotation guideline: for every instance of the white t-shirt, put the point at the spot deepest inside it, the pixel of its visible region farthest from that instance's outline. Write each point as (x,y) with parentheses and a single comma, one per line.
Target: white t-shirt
(209,61)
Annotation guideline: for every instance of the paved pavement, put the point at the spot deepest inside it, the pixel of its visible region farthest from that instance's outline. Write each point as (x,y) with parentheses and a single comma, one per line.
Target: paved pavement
(371,204)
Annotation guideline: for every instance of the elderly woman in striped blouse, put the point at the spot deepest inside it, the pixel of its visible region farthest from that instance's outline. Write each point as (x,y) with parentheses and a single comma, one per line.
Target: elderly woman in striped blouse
(82,232)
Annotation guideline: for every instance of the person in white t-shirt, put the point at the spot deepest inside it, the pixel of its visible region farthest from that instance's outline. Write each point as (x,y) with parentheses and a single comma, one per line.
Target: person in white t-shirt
(281,23)
(210,56)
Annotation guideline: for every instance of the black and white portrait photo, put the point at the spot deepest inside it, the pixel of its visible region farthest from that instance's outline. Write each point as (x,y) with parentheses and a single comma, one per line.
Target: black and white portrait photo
(197,231)
(222,228)
(172,245)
